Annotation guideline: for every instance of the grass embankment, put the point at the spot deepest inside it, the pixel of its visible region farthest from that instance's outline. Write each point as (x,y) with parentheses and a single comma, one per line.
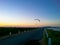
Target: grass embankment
(55,36)
(45,39)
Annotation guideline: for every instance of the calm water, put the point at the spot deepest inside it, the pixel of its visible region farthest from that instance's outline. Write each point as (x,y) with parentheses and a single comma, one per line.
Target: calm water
(56,29)
(23,38)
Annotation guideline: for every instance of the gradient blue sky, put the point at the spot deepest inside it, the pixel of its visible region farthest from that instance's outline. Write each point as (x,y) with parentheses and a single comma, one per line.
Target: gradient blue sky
(23,12)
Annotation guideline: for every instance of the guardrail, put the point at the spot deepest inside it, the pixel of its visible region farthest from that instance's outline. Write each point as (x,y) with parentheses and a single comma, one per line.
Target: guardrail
(49,39)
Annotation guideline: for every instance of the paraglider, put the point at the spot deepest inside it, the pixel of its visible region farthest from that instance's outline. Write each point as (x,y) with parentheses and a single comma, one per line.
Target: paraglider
(37,20)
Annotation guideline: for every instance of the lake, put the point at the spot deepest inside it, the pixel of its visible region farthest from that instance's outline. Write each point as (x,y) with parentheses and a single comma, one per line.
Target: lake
(55,29)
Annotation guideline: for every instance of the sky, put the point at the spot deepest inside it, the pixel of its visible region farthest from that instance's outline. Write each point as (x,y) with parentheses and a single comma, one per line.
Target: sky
(21,13)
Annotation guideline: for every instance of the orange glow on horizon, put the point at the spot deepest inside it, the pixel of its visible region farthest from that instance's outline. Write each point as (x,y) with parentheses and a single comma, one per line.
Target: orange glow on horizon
(3,24)
(18,24)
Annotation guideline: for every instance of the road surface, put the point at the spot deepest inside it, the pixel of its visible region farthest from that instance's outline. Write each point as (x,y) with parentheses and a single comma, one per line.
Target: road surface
(21,39)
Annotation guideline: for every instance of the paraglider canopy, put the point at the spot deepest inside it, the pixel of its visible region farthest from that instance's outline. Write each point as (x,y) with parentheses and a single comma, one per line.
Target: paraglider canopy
(37,19)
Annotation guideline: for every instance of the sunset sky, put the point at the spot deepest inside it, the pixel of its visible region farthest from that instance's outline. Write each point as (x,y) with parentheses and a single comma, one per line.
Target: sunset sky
(21,13)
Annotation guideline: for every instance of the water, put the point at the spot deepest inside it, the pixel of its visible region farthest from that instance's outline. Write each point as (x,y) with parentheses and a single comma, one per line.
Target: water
(55,29)
(23,38)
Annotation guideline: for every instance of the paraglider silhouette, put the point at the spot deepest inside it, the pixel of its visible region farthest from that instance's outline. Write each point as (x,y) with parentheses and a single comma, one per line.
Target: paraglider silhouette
(37,19)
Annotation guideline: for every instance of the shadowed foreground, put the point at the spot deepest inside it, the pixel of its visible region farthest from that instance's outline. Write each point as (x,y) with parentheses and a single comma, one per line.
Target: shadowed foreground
(33,42)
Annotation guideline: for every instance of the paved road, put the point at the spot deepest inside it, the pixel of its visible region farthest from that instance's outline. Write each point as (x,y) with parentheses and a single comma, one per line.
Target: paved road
(22,38)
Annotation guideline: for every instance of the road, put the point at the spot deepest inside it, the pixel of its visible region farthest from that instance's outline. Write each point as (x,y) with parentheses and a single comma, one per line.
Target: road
(21,39)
